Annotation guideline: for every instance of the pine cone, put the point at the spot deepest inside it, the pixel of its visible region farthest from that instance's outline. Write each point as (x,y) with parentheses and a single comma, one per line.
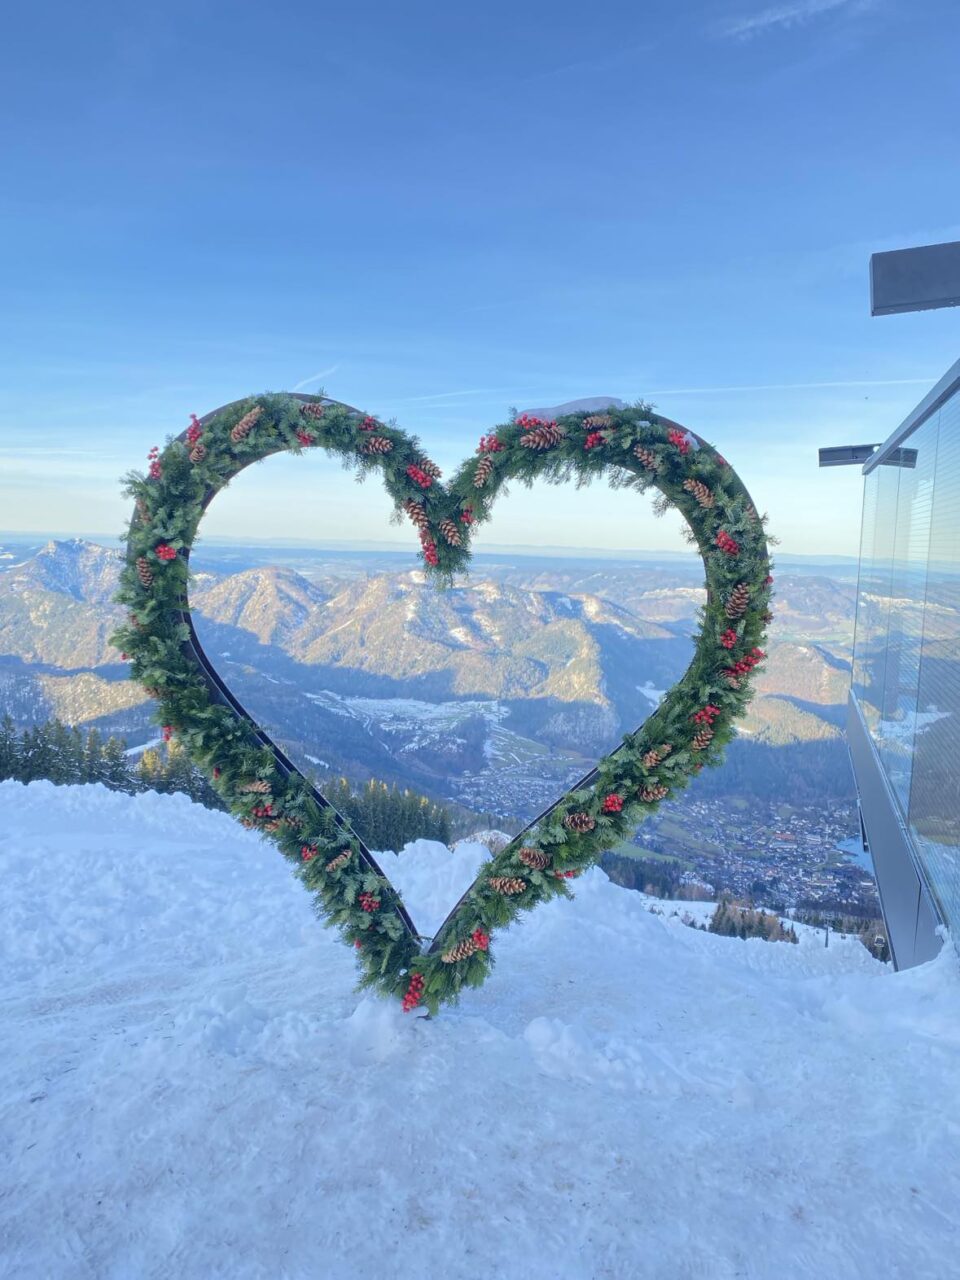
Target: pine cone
(461,951)
(699,491)
(536,859)
(646,458)
(273,825)
(198,452)
(246,424)
(312,410)
(294,823)
(655,755)
(259,786)
(482,473)
(737,601)
(135,622)
(768,617)
(546,437)
(579,822)
(450,532)
(153,692)
(143,511)
(416,513)
(430,468)
(703,739)
(340,860)
(507,885)
(377,444)
(597,421)
(654,793)
(733,681)
(144,572)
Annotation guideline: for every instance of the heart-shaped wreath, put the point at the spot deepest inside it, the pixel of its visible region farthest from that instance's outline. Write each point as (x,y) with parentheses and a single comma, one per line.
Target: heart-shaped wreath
(264,789)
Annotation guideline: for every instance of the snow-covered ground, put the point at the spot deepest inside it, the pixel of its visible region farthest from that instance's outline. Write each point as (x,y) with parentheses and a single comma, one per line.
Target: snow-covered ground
(191,1089)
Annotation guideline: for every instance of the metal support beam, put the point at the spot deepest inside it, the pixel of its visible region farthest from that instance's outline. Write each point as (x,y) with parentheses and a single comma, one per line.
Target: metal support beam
(855,455)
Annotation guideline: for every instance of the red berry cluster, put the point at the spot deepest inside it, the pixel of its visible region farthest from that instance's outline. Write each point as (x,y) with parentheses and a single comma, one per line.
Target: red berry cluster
(429,548)
(414,993)
(612,803)
(726,543)
(124,657)
(419,477)
(769,579)
(594,440)
(728,639)
(706,715)
(680,439)
(369,903)
(263,811)
(305,437)
(156,470)
(358,944)
(165,552)
(194,431)
(490,444)
(527,421)
(721,460)
(217,771)
(566,875)
(369,424)
(307,852)
(481,939)
(166,733)
(746,664)
(466,515)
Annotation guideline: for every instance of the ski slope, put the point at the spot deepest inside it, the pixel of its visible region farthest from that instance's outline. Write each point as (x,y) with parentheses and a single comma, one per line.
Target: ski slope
(190,1088)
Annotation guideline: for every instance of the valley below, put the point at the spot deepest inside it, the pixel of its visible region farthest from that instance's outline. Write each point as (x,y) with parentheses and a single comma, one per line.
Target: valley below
(491,696)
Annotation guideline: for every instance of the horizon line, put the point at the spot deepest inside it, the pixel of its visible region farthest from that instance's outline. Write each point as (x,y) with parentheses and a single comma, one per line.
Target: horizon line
(550,551)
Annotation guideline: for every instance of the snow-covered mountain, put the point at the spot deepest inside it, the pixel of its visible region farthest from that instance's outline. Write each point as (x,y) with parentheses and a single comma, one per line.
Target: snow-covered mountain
(561,655)
(191,1089)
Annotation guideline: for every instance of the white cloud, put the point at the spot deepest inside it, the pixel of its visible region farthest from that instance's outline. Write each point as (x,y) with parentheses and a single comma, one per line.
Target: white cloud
(788,15)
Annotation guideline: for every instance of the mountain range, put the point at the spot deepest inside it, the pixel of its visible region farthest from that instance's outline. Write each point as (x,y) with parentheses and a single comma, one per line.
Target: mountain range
(492,693)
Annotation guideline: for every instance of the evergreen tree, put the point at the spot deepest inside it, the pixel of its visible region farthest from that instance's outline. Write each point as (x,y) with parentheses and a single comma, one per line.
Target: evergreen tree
(9,749)
(115,770)
(93,757)
(36,753)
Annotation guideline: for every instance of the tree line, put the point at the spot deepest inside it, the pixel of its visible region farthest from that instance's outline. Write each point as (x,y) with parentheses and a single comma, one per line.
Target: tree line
(384,817)
(70,756)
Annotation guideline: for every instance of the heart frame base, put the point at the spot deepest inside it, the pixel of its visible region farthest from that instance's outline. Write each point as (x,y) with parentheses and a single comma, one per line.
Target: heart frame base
(629,447)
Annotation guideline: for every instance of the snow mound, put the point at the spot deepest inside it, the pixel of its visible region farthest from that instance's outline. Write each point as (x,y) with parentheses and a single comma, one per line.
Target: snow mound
(494,840)
(190,1088)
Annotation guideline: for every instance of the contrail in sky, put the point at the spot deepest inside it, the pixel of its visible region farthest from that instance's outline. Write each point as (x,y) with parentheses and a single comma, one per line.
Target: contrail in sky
(315,377)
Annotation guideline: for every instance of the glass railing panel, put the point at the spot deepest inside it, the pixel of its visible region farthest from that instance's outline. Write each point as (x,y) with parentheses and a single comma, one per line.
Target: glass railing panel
(934,807)
(874,597)
(862,630)
(896,729)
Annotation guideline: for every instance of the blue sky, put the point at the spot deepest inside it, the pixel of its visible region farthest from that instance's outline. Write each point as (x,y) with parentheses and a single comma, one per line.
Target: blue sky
(438,211)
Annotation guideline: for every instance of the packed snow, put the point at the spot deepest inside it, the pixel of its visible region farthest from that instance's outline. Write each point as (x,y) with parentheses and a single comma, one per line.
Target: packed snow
(191,1087)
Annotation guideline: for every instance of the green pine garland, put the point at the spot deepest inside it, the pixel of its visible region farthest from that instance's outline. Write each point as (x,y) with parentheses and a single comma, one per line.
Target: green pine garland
(630,447)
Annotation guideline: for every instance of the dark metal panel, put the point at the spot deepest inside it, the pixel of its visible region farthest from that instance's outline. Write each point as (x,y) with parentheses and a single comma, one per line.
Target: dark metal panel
(848,455)
(908,911)
(915,279)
